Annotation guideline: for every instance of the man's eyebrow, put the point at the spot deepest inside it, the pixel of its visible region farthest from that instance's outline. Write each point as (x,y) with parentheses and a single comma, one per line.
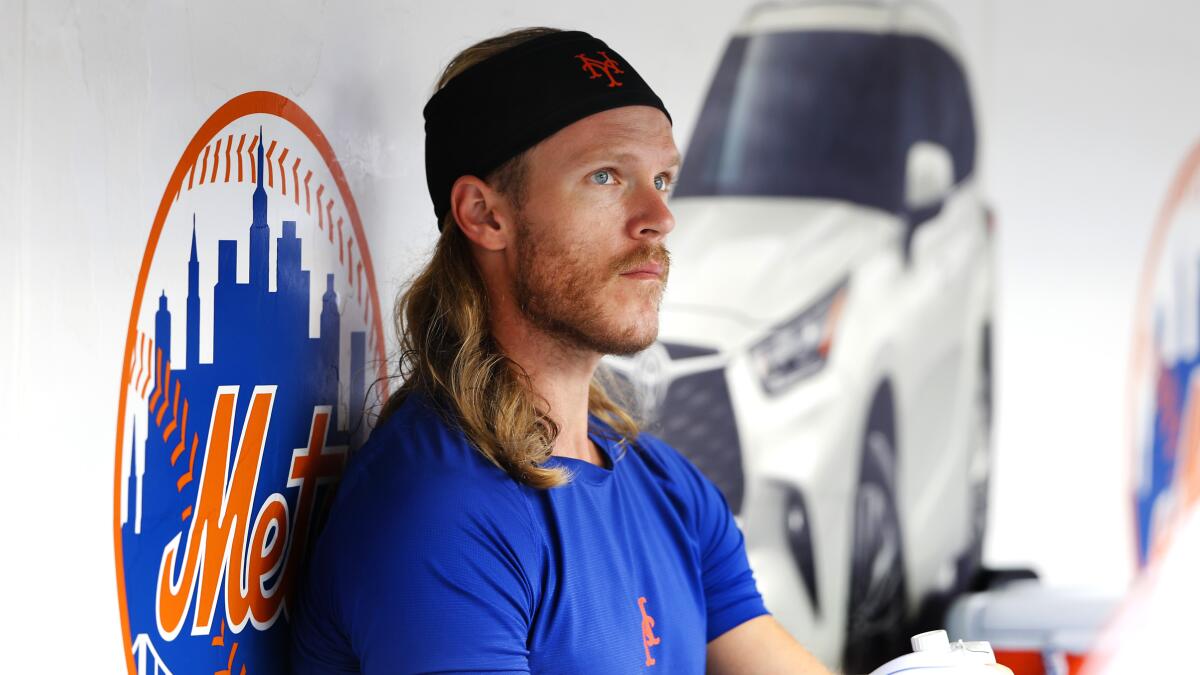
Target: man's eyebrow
(674,159)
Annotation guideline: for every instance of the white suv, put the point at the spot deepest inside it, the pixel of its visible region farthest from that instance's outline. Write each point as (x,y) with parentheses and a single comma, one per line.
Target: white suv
(824,352)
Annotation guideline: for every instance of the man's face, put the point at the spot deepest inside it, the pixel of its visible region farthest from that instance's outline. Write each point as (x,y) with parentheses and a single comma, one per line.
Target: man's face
(590,261)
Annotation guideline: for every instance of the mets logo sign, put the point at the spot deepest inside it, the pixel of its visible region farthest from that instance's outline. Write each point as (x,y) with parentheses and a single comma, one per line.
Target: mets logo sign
(254,340)
(1164,393)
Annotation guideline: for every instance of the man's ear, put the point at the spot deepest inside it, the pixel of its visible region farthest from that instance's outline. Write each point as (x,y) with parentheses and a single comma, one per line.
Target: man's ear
(481,213)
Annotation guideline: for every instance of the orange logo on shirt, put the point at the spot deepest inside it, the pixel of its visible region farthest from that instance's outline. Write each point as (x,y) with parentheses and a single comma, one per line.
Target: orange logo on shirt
(649,639)
(606,67)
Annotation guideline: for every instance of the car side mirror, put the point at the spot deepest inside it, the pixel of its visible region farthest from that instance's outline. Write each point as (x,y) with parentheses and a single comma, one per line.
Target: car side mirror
(928,176)
(928,179)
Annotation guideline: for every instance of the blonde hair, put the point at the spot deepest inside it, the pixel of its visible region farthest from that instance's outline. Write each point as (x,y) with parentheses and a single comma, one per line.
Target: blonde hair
(447,350)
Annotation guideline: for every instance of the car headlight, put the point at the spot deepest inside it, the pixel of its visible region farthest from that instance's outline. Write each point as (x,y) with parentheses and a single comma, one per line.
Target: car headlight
(799,347)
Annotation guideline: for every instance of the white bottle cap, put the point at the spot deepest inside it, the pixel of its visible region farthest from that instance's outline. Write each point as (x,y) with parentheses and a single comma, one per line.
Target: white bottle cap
(933,641)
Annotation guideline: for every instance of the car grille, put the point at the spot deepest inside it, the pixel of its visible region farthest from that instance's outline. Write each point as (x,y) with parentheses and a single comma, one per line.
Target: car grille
(696,417)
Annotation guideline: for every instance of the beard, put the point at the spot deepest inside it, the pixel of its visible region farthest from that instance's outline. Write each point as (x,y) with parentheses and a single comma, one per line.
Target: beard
(560,289)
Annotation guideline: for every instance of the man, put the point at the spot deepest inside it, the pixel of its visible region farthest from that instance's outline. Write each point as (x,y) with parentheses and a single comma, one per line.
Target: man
(506,516)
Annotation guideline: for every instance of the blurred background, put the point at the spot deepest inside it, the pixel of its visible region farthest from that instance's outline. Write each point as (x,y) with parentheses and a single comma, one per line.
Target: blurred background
(1085,119)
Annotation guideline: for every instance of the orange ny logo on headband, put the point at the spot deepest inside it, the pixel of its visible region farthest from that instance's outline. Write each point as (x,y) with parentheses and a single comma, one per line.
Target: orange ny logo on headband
(597,67)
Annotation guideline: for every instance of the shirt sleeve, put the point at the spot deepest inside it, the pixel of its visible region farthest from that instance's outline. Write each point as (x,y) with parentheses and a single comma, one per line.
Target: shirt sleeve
(425,574)
(730,592)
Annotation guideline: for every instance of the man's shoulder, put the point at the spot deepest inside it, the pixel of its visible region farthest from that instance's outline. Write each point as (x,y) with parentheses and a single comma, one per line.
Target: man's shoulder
(666,456)
(419,438)
(416,520)
(676,471)
(417,463)
(416,431)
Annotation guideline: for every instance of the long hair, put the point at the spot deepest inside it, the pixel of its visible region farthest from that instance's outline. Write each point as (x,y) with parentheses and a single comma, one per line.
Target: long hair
(447,350)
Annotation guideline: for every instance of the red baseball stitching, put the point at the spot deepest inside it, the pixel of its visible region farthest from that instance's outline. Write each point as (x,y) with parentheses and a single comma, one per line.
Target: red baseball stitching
(163,399)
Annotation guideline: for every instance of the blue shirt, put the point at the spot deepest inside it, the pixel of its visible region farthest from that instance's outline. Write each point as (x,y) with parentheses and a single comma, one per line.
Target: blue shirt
(435,560)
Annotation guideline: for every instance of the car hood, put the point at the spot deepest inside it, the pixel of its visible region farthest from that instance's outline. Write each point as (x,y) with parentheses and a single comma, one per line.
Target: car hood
(763,260)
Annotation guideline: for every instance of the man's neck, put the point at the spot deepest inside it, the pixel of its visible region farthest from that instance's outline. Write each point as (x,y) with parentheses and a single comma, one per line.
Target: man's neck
(561,374)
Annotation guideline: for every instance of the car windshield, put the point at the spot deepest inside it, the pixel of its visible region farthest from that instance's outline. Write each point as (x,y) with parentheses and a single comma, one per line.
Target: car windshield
(804,114)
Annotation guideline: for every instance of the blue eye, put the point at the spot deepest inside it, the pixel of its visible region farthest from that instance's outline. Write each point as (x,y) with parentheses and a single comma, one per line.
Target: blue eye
(661,182)
(601,177)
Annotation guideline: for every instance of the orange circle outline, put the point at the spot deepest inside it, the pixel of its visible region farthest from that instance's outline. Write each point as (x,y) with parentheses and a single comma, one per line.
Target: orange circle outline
(1184,176)
(249,103)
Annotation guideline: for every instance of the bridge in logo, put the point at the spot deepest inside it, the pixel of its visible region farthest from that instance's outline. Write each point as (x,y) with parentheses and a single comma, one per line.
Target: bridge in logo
(147,658)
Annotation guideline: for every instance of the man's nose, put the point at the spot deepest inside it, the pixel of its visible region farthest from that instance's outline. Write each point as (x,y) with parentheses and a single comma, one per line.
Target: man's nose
(651,219)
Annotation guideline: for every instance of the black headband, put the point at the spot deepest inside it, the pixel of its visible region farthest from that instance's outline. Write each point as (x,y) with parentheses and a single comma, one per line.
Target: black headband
(505,105)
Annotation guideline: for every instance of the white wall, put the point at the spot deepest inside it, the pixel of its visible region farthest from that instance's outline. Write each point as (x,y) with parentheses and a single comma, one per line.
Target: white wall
(1091,113)
(1086,111)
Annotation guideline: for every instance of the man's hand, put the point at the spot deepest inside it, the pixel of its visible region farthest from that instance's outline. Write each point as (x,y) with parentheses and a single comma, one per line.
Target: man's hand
(760,646)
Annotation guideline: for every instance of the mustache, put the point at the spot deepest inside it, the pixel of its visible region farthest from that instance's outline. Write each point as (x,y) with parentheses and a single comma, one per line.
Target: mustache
(651,253)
